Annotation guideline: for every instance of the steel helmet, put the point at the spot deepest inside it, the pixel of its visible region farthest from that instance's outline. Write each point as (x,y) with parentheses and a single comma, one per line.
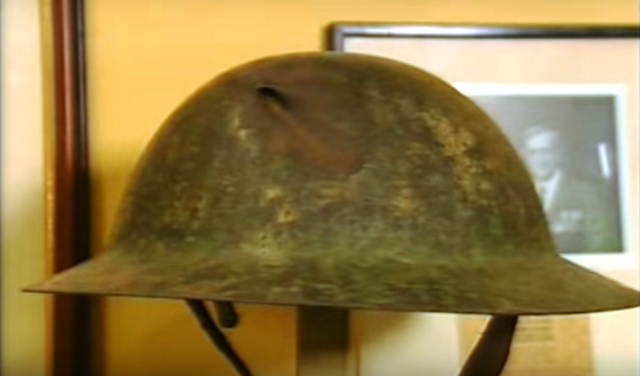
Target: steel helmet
(343,180)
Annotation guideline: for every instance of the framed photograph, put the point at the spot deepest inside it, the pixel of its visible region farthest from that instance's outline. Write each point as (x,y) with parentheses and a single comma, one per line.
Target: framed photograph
(568,136)
(566,97)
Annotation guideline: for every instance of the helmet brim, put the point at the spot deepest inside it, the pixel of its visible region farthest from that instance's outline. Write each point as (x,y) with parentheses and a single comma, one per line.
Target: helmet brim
(546,285)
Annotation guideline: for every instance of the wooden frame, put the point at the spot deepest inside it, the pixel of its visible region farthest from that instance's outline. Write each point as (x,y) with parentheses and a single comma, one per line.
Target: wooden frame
(71,344)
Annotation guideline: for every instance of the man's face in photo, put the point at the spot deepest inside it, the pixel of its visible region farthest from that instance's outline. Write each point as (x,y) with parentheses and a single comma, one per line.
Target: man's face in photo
(541,154)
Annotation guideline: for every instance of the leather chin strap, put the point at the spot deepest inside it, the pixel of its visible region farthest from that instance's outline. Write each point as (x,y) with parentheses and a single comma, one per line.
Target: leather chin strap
(488,357)
(491,352)
(216,336)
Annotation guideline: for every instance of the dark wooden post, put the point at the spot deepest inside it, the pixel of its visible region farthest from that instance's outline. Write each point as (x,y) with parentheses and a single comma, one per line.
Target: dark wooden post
(71,342)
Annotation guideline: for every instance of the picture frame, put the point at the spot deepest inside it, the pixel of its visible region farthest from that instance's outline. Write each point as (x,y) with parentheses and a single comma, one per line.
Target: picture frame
(505,64)
(511,71)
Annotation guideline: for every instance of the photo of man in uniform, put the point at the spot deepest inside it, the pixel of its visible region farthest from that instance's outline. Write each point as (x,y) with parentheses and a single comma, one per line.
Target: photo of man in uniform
(568,143)
(575,208)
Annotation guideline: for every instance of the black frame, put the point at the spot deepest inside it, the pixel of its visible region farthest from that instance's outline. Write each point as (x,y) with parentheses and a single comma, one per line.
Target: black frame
(337,32)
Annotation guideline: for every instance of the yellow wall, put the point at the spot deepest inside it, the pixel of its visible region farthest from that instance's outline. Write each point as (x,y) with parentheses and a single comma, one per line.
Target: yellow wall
(146,56)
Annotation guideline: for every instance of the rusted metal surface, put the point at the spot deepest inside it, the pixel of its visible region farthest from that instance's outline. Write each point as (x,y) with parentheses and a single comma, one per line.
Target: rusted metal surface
(338,180)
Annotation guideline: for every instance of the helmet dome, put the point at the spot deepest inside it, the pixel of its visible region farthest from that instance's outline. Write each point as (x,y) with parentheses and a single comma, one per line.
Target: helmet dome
(343,180)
